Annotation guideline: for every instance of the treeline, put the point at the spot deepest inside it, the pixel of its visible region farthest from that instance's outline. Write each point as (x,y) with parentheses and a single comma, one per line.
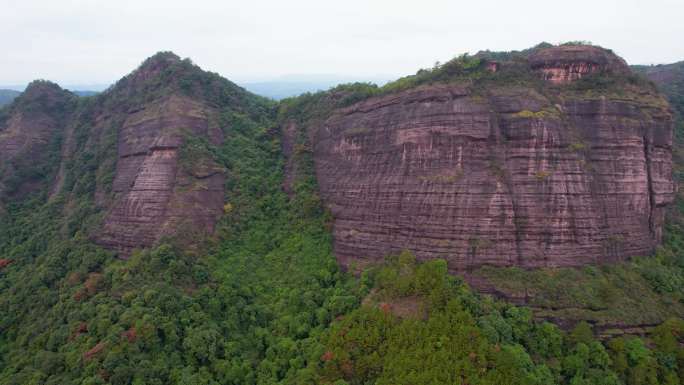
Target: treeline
(263,301)
(449,335)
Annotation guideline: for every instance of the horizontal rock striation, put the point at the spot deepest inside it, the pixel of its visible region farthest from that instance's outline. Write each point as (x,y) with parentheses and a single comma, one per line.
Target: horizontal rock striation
(141,150)
(30,135)
(566,63)
(155,195)
(503,176)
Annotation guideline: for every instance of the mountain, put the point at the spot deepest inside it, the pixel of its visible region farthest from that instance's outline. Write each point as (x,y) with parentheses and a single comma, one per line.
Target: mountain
(6,96)
(670,80)
(159,187)
(32,127)
(495,168)
(178,229)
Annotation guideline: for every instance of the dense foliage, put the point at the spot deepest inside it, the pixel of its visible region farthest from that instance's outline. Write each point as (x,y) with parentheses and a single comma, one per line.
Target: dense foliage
(247,309)
(263,301)
(422,326)
(643,291)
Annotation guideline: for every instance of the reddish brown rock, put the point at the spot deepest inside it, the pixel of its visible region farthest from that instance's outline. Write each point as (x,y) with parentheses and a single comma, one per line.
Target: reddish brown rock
(492,66)
(565,63)
(32,126)
(4,262)
(133,137)
(504,177)
(155,196)
(82,328)
(33,121)
(94,351)
(131,335)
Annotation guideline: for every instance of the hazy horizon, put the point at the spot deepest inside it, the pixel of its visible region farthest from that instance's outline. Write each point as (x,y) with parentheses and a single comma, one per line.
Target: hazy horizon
(96,42)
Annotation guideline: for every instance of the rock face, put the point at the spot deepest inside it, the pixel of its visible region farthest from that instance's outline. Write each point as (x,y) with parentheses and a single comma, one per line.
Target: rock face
(502,175)
(142,177)
(563,64)
(155,195)
(27,130)
(158,191)
(33,124)
(670,77)
(505,176)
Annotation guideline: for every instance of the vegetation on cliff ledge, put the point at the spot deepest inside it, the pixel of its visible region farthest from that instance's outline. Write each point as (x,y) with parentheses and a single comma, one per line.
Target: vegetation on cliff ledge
(263,301)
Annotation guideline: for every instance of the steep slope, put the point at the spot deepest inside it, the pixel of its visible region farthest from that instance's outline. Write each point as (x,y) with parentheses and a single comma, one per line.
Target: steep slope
(629,297)
(670,80)
(30,136)
(217,313)
(165,183)
(566,63)
(262,301)
(483,164)
(148,180)
(155,193)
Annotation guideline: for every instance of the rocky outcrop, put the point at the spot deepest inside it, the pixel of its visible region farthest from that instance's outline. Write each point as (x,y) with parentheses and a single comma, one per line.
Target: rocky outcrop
(498,176)
(125,149)
(502,175)
(155,195)
(29,135)
(565,63)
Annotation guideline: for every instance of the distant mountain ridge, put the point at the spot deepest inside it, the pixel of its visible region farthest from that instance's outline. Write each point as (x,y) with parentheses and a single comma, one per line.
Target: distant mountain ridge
(295,85)
(6,96)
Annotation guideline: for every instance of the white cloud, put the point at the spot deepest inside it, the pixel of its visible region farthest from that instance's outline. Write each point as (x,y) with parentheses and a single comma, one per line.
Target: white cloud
(91,41)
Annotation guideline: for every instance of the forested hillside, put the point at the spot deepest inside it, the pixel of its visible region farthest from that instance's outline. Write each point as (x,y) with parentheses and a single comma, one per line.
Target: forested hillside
(262,299)
(638,294)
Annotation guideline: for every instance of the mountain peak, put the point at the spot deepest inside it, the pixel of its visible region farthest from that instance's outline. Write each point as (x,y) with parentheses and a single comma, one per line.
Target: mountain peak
(568,62)
(149,71)
(41,87)
(45,93)
(157,63)
(160,59)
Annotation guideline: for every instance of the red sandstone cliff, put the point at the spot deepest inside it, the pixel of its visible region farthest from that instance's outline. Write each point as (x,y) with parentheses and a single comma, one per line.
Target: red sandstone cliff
(133,137)
(153,194)
(503,174)
(29,129)
(511,175)
(566,63)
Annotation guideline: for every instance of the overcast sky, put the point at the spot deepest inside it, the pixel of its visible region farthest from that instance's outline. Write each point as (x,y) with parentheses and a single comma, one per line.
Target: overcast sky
(93,41)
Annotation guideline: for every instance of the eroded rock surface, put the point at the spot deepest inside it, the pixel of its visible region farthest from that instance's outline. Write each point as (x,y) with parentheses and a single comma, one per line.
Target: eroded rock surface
(566,63)
(29,135)
(155,194)
(129,141)
(503,176)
